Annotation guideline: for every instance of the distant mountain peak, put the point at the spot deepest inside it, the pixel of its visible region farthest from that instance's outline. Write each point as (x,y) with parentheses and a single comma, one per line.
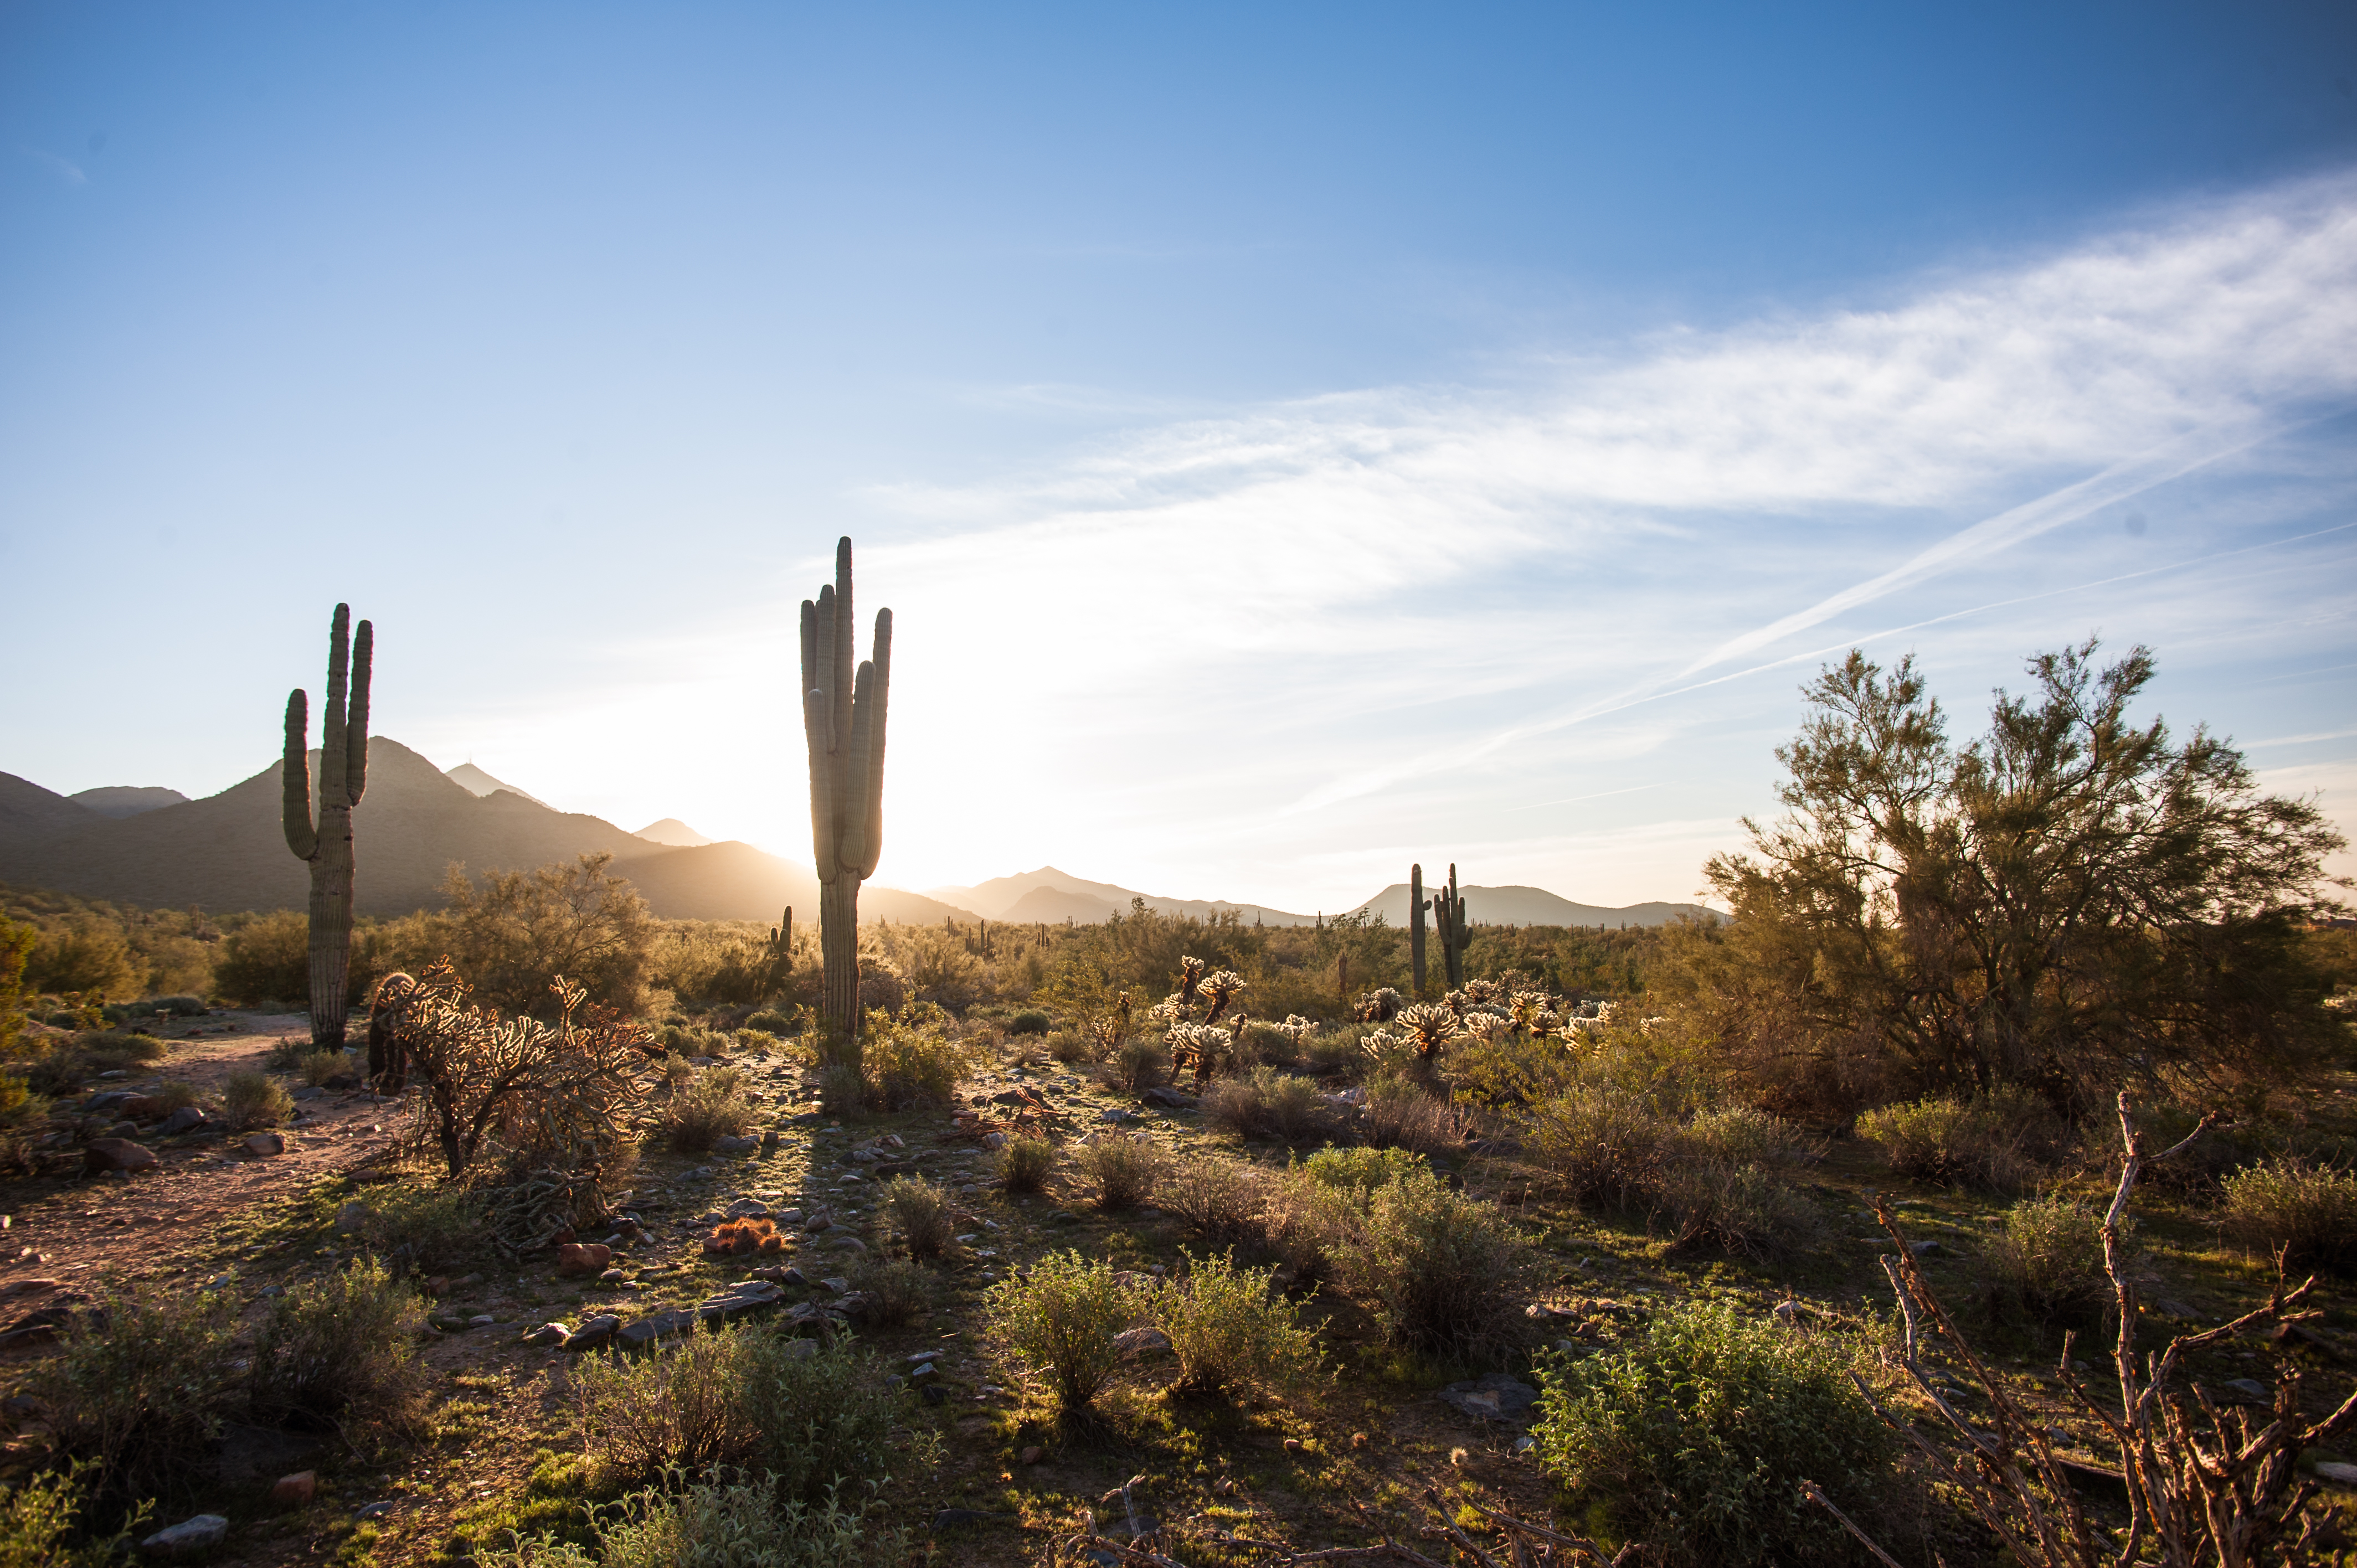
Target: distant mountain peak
(475,782)
(672,832)
(127,800)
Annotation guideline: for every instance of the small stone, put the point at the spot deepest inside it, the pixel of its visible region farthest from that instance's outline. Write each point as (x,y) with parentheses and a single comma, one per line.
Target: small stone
(123,1155)
(1132,1343)
(307,1092)
(191,1535)
(265,1143)
(2334,1471)
(1033,1454)
(2250,1389)
(839,1287)
(614,1277)
(295,1490)
(598,1330)
(549,1334)
(769,1139)
(933,1393)
(733,1145)
(1169,1098)
(375,1511)
(581,1259)
(352,1214)
(186,1119)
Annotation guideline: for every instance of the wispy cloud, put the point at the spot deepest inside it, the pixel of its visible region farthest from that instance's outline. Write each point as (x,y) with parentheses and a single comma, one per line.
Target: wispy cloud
(63,167)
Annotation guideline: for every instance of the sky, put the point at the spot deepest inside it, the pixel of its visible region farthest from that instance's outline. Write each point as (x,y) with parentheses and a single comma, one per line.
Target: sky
(1293,440)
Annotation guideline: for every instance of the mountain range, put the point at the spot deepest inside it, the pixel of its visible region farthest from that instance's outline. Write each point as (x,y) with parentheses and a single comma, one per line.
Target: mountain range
(228,851)
(153,847)
(1049,894)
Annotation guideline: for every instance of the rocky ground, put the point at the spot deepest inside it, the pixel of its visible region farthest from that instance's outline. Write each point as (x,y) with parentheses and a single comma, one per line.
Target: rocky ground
(504,1452)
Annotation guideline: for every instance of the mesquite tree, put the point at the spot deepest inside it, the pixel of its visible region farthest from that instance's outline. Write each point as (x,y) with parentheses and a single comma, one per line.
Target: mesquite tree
(327,842)
(843,717)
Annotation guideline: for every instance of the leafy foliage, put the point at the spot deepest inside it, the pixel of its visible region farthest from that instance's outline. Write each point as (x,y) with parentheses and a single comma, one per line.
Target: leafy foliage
(1055,1330)
(1226,1328)
(2306,1210)
(517,934)
(141,1383)
(342,1352)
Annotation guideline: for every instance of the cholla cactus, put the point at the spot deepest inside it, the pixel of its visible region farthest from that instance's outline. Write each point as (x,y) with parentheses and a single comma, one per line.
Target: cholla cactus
(1485,993)
(1529,1009)
(1486,1026)
(1171,1009)
(1196,1046)
(1190,975)
(1428,1028)
(1381,1044)
(1219,988)
(1379,1007)
(1295,1028)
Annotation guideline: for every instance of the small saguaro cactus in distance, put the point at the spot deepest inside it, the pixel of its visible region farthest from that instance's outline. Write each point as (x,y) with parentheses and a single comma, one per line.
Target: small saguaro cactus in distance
(1449,926)
(1416,905)
(327,842)
(843,719)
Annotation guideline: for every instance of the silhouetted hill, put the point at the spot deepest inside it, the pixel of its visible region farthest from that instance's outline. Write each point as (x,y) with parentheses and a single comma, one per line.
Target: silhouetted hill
(999,897)
(670,831)
(29,813)
(229,852)
(475,782)
(127,800)
(1534,907)
(1054,906)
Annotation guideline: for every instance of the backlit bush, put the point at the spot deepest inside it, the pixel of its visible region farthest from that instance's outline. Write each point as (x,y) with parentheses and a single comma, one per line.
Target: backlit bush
(1998,1142)
(340,1353)
(1055,1331)
(1227,1329)
(1122,1169)
(706,1107)
(1217,1197)
(1268,1104)
(255,1100)
(2050,1260)
(2308,1211)
(906,1064)
(1445,1274)
(916,1216)
(141,1384)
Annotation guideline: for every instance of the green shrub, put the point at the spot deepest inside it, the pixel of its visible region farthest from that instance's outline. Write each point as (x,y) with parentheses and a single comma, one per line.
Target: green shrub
(1742,1135)
(1226,1328)
(841,1090)
(825,1416)
(318,1068)
(1597,1141)
(1055,1331)
(1399,1113)
(916,1215)
(141,1384)
(1445,1274)
(676,1407)
(172,1094)
(2050,1259)
(2307,1211)
(1072,1048)
(340,1352)
(773,1022)
(1217,1196)
(423,1230)
(41,1524)
(711,1526)
(267,959)
(1023,1163)
(1998,1142)
(1031,1022)
(1736,1208)
(1357,1173)
(705,1108)
(1698,1433)
(1266,1103)
(1124,1169)
(905,1065)
(893,1292)
(1139,1064)
(251,1099)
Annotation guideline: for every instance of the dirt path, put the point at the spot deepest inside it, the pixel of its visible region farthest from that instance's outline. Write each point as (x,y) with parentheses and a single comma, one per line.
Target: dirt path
(64,1234)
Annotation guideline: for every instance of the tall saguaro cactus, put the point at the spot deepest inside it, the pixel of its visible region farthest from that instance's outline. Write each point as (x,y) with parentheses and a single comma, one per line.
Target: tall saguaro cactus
(1416,905)
(843,717)
(1448,925)
(326,843)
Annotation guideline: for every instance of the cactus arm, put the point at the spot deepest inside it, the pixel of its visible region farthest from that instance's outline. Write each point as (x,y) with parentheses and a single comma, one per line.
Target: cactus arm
(331,718)
(822,682)
(294,778)
(881,700)
(846,651)
(809,645)
(357,720)
(851,816)
(817,723)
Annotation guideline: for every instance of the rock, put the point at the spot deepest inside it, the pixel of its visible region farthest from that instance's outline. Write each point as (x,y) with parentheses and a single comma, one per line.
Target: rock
(113,1100)
(265,1143)
(839,1286)
(922,1370)
(647,1331)
(769,1139)
(1169,1098)
(865,1156)
(1118,1117)
(787,1220)
(1132,1343)
(123,1155)
(191,1535)
(738,1300)
(614,1277)
(1063,1216)
(308,1092)
(1292,1445)
(249,1456)
(2333,1470)
(578,1260)
(549,1334)
(933,1393)
(995,1141)
(293,1491)
(800,1350)
(733,1145)
(2249,1390)
(186,1119)
(597,1331)
(1033,1454)
(353,1214)
(1500,1396)
(375,1511)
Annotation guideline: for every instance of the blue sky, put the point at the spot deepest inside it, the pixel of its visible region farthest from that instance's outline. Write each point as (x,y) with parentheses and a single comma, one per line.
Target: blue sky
(1294,440)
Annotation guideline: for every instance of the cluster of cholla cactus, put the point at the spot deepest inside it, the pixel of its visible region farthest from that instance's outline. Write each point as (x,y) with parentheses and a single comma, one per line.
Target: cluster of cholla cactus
(1199,1043)
(1108,1029)
(1296,1029)
(1482,1011)
(1378,1006)
(1202,1047)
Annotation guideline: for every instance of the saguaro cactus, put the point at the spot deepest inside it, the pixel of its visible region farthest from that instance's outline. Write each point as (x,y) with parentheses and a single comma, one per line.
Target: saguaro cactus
(1448,925)
(326,843)
(1416,905)
(843,717)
